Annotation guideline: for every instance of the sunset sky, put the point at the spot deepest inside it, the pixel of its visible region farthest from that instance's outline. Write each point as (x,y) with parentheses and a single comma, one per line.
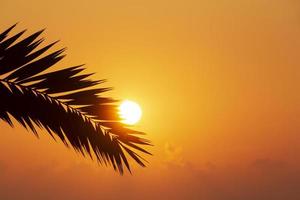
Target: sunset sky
(218,82)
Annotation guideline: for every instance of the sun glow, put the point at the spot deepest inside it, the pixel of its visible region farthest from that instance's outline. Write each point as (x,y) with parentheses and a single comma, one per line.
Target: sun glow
(130,112)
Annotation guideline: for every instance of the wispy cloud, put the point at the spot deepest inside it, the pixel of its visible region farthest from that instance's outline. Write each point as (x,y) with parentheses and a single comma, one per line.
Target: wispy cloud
(2,167)
(173,155)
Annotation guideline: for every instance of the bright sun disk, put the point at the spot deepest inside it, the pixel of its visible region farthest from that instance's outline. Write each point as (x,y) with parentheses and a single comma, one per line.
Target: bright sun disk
(130,112)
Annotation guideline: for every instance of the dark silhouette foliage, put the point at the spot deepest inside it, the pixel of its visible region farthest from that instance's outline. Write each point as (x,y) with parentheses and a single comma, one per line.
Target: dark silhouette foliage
(63,102)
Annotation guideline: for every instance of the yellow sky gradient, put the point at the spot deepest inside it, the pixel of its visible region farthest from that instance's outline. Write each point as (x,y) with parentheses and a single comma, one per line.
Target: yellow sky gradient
(218,82)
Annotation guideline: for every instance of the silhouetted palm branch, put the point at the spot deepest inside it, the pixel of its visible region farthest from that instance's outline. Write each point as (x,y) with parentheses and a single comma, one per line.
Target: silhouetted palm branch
(62,102)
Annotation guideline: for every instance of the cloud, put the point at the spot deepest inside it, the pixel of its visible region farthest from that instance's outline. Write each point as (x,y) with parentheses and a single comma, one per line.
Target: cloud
(2,167)
(173,155)
(267,164)
(261,179)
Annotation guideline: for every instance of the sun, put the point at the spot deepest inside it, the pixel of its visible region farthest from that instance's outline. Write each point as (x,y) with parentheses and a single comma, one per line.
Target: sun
(130,112)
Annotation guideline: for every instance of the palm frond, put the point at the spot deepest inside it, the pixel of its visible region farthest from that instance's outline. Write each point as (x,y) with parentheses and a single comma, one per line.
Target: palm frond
(63,102)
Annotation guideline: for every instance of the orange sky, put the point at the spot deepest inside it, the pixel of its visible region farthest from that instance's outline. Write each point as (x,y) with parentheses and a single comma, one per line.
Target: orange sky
(218,82)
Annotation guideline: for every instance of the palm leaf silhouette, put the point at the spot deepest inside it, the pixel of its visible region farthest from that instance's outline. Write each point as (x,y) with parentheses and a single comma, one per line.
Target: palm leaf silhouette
(63,102)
